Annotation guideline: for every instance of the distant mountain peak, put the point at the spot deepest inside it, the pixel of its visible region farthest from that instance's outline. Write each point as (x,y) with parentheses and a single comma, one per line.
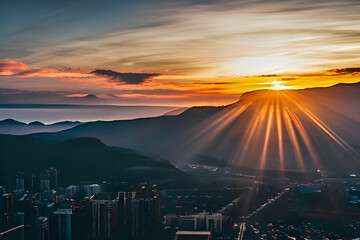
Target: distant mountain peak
(11,121)
(37,123)
(11,126)
(91,96)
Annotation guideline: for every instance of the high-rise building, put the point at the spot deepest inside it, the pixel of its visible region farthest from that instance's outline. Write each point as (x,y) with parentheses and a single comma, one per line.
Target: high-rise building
(53,178)
(42,230)
(6,204)
(19,222)
(125,200)
(145,212)
(62,224)
(7,216)
(201,221)
(31,212)
(81,220)
(91,190)
(20,218)
(104,216)
(19,181)
(214,222)
(32,183)
(44,181)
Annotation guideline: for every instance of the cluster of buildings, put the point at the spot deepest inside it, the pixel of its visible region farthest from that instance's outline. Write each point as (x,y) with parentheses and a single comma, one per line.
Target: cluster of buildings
(302,230)
(203,221)
(46,181)
(38,209)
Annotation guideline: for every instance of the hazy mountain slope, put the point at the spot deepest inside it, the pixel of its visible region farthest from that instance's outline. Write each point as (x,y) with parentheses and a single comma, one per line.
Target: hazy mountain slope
(266,129)
(176,111)
(10,126)
(341,98)
(80,159)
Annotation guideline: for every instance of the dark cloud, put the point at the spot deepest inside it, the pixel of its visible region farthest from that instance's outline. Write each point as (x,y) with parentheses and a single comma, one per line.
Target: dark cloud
(269,75)
(128,78)
(346,70)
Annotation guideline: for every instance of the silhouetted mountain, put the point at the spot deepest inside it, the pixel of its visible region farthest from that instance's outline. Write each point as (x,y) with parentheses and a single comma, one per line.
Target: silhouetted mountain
(66,123)
(91,96)
(11,122)
(36,123)
(301,130)
(50,113)
(10,126)
(81,159)
(341,98)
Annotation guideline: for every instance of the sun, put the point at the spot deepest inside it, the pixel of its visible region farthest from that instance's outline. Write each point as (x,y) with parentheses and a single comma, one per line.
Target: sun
(278,85)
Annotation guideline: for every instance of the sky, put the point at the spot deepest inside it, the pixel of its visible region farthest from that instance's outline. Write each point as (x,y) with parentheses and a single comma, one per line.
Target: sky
(173,53)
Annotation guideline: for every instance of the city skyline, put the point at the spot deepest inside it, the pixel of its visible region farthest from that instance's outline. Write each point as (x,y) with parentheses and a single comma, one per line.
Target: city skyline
(179,120)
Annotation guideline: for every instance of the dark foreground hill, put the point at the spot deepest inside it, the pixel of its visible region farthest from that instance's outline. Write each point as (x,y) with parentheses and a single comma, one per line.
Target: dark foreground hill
(297,130)
(81,160)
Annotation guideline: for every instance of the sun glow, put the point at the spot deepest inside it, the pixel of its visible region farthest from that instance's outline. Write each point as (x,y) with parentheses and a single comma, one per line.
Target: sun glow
(256,65)
(278,85)
(284,116)
(280,134)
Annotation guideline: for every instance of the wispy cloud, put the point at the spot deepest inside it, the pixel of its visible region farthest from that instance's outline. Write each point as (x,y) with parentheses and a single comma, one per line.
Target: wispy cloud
(213,38)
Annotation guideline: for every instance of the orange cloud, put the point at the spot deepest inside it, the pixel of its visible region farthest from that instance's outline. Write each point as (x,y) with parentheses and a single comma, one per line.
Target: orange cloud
(76,95)
(151,96)
(152,88)
(8,67)
(13,68)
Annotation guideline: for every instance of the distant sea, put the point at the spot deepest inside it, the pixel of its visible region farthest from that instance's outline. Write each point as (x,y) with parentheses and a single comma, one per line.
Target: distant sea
(51,113)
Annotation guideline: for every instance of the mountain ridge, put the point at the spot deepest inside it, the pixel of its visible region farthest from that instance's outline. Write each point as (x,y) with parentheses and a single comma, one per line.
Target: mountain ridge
(221,132)
(11,126)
